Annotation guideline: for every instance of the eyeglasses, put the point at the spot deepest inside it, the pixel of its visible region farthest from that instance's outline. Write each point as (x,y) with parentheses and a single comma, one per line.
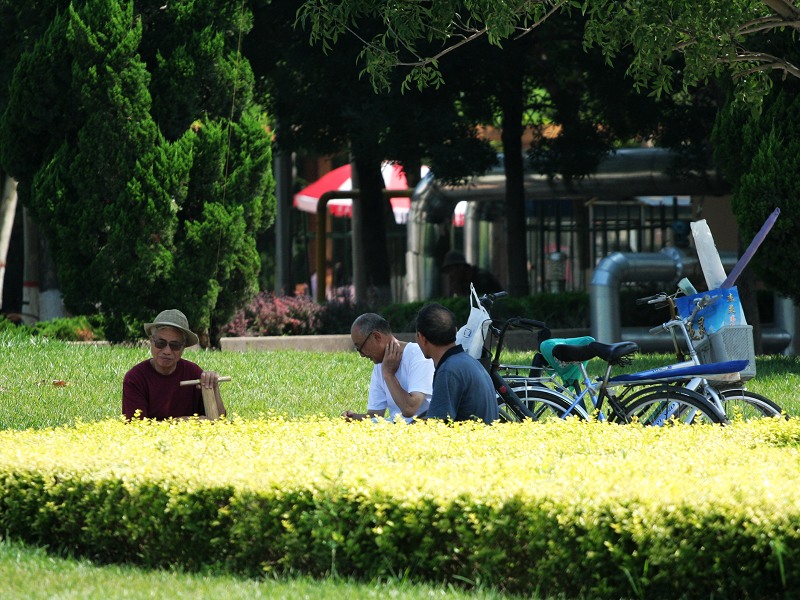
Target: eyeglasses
(174,345)
(360,346)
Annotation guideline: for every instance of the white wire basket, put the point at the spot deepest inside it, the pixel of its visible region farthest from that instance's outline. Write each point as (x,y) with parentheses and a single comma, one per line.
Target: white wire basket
(732,342)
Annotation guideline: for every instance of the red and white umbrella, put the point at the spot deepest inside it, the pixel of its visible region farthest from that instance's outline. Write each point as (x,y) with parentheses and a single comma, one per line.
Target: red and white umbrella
(340,180)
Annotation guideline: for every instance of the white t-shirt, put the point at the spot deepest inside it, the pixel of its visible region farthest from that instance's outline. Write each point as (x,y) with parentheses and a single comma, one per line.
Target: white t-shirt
(415,375)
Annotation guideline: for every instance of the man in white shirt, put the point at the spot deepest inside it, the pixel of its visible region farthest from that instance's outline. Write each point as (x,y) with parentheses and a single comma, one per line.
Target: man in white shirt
(402,378)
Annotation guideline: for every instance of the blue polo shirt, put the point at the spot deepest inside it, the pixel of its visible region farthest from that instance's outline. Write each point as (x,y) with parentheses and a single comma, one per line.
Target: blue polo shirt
(462,389)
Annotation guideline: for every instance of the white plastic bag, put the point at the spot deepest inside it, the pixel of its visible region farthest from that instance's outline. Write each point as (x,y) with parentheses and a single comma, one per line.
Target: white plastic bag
(472,335)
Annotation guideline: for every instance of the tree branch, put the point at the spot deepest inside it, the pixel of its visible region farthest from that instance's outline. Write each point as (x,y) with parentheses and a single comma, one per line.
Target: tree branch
(786,10)
(767,23)
(769,62)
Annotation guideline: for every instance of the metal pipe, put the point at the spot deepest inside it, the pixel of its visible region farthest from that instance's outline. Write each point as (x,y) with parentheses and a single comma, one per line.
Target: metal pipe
(668,266)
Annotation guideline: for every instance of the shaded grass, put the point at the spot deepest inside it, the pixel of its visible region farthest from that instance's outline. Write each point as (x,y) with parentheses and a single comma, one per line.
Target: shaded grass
(31,574)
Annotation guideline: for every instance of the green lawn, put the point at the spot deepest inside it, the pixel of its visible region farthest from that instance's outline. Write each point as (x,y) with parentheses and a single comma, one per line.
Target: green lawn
(31,574)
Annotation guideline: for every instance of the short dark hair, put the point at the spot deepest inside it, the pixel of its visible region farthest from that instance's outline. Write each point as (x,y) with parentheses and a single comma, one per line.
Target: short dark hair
(369,322)
(437,323)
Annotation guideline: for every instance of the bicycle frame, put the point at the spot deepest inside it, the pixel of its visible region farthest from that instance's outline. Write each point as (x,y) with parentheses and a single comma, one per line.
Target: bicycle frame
(645,388)
(682,326)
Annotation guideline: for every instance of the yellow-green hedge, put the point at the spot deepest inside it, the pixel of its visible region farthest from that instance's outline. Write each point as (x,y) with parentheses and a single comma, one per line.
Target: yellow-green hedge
(574,508)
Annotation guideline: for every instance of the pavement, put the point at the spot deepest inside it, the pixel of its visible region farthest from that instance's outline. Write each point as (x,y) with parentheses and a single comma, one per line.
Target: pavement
(515,340)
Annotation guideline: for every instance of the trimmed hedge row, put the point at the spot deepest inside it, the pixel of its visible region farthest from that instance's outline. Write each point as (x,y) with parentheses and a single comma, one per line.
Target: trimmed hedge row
(567,508)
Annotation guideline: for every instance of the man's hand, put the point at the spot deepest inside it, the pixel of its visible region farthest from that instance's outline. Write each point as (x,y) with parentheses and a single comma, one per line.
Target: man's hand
(391,358)
(350,415)
(209,379)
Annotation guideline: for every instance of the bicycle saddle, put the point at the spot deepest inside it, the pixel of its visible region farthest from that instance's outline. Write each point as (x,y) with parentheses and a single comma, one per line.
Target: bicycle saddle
(613,354)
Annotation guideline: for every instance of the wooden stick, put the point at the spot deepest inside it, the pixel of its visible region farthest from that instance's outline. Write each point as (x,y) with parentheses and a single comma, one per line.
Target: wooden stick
(210,403)
(197,381)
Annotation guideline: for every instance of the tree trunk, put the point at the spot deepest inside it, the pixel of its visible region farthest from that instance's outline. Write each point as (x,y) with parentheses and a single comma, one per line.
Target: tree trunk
(8,208)
(373,213)
(511,100)
(51,304)
(30,278)
(284,276)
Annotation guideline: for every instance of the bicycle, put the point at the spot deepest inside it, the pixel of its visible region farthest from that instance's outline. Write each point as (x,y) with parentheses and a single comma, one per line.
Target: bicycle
(648,397)
(688,335)
(558,380)
(521,397)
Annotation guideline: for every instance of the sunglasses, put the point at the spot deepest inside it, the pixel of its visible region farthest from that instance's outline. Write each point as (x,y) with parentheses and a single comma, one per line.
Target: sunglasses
(161,343)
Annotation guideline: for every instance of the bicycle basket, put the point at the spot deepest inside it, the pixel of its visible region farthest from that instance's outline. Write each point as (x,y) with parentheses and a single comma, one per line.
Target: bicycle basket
(732,342)
(725,310)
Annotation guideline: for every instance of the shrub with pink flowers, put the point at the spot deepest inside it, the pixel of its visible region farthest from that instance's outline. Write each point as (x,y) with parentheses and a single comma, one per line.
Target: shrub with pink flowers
(269,314)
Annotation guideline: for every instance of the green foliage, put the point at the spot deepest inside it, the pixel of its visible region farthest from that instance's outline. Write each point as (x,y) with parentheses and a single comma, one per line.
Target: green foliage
(150,194)
(760,152)
(413,33)
(674,44)
(324,497)
(71,329)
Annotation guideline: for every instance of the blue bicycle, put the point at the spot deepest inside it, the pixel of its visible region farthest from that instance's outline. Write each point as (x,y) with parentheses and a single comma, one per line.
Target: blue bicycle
(558,379)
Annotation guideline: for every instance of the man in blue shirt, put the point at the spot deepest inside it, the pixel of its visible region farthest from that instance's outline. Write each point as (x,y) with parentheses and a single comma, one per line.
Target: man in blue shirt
(462,389)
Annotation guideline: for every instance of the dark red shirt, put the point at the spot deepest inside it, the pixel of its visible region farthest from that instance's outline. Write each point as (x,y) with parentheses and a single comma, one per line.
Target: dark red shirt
(160,396)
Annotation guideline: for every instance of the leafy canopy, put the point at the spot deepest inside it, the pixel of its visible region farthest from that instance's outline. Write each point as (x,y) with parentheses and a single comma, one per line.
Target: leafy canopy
(713,36)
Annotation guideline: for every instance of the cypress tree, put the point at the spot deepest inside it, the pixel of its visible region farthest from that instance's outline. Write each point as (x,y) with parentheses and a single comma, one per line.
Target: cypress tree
(132,131)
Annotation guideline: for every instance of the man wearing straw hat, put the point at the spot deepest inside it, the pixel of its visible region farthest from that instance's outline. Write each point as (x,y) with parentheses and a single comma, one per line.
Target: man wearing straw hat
(152,389)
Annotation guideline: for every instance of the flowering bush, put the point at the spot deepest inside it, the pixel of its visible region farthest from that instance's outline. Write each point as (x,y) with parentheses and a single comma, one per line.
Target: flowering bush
(269,314)
(565,509)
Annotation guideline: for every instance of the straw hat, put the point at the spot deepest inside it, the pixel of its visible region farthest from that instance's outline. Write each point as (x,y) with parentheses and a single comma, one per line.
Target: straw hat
(173,318)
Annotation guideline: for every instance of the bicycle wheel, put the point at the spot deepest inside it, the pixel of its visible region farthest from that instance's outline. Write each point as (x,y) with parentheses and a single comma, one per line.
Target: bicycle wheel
(547,404)
(747,405)
(670,405)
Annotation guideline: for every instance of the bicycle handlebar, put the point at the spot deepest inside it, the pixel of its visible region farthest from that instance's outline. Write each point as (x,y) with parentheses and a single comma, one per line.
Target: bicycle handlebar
(488,299)
(651,299)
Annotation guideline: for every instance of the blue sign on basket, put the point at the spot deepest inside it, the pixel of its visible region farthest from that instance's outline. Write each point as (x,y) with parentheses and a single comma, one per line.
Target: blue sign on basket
(725,309)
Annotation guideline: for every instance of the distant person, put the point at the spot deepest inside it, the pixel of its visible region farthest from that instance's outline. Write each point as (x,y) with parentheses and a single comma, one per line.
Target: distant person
(460,274)
(462,388)
(402,378)
(153,387)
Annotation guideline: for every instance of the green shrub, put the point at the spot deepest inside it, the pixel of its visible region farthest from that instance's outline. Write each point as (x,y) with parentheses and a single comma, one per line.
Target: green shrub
(660,513)
(69,329)
(566,310)
(9,327)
